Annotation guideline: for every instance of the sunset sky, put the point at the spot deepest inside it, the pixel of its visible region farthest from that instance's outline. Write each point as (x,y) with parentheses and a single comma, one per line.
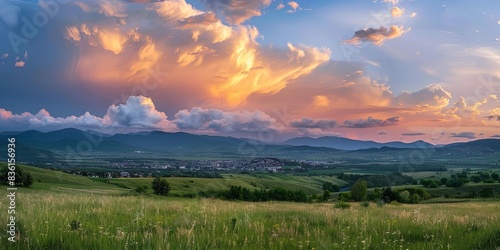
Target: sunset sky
(380,70)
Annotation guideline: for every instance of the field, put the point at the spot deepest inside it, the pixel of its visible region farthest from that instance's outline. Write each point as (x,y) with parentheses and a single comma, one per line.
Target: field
(183,185)
(65,211)
(79,220)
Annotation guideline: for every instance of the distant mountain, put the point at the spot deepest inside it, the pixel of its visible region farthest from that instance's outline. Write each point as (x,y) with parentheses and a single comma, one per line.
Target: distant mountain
(493,144)
(350,144)
(38,146)
(163,141)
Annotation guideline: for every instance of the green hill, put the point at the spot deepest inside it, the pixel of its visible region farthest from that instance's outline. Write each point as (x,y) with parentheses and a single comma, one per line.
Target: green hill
(187,185)
(46,179)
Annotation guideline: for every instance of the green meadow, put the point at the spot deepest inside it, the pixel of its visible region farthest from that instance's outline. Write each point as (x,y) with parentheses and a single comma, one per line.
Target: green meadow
(71,212)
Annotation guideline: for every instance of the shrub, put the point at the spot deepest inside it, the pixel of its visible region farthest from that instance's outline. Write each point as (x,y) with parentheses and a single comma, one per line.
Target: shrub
(365,204)
(404,196)
(160,186)
(495,176)
(326,195)
(342,205)
(487,192)
(414,198)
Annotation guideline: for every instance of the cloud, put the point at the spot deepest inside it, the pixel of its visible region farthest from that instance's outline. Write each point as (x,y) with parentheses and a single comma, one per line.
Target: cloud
(391,1)
(72,33)
(495,136)
(280,6)
(382,133)
(4,55)
(229,62)
(413,134)
(309,123)
(110,8)
(397,12)
(137,113)
(414,14)
(20,64)
(376,36)
(203,19)
(461,109)
(468,135)
(321,101)
(224,121)
(9,13)
(237,11)
(430,97)
(371,122)
(294,5)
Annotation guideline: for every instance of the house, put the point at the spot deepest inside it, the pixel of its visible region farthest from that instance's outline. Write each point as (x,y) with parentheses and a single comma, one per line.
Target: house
(124,174)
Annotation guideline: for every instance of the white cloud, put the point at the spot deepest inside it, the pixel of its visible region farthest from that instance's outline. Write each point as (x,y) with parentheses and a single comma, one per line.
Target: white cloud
(224,121)
(394,2)
(137,113)
(281,6)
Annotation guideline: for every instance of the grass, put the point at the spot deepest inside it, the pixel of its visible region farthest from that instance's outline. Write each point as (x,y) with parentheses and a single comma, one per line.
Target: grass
(186,185)
(79,220)
(73,212)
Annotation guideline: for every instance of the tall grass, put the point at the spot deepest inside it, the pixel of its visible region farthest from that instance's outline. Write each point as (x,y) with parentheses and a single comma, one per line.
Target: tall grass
(49,220)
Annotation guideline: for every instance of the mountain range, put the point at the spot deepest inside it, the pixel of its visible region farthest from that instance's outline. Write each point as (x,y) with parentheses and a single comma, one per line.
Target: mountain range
(47,145)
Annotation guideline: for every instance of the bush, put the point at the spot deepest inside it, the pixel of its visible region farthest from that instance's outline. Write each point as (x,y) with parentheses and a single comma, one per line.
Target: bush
(414,198)
(342,205)
(326,195)
(328,186)
(404,196)
(365,204)
(160,186)
(495,176)
(487,192)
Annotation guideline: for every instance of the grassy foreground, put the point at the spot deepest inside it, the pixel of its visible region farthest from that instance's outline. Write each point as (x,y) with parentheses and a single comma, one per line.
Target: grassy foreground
(83,220)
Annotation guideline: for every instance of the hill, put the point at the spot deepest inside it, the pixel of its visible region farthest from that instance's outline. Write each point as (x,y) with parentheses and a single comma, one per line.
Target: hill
(350,144)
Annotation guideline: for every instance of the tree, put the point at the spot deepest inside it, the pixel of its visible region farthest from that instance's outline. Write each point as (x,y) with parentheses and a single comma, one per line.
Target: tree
(359,190)
(495,176)
(414,198)
(160,186)
(326,195)
(328,186)
(404,196)
(23,178)
(443,181)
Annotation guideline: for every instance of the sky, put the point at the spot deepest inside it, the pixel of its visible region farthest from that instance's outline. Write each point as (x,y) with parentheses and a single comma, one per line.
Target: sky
(382,70)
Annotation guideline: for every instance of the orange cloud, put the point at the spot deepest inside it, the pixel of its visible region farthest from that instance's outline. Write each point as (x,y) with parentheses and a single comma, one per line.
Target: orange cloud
(397,12)
(321,101)
(230,64)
